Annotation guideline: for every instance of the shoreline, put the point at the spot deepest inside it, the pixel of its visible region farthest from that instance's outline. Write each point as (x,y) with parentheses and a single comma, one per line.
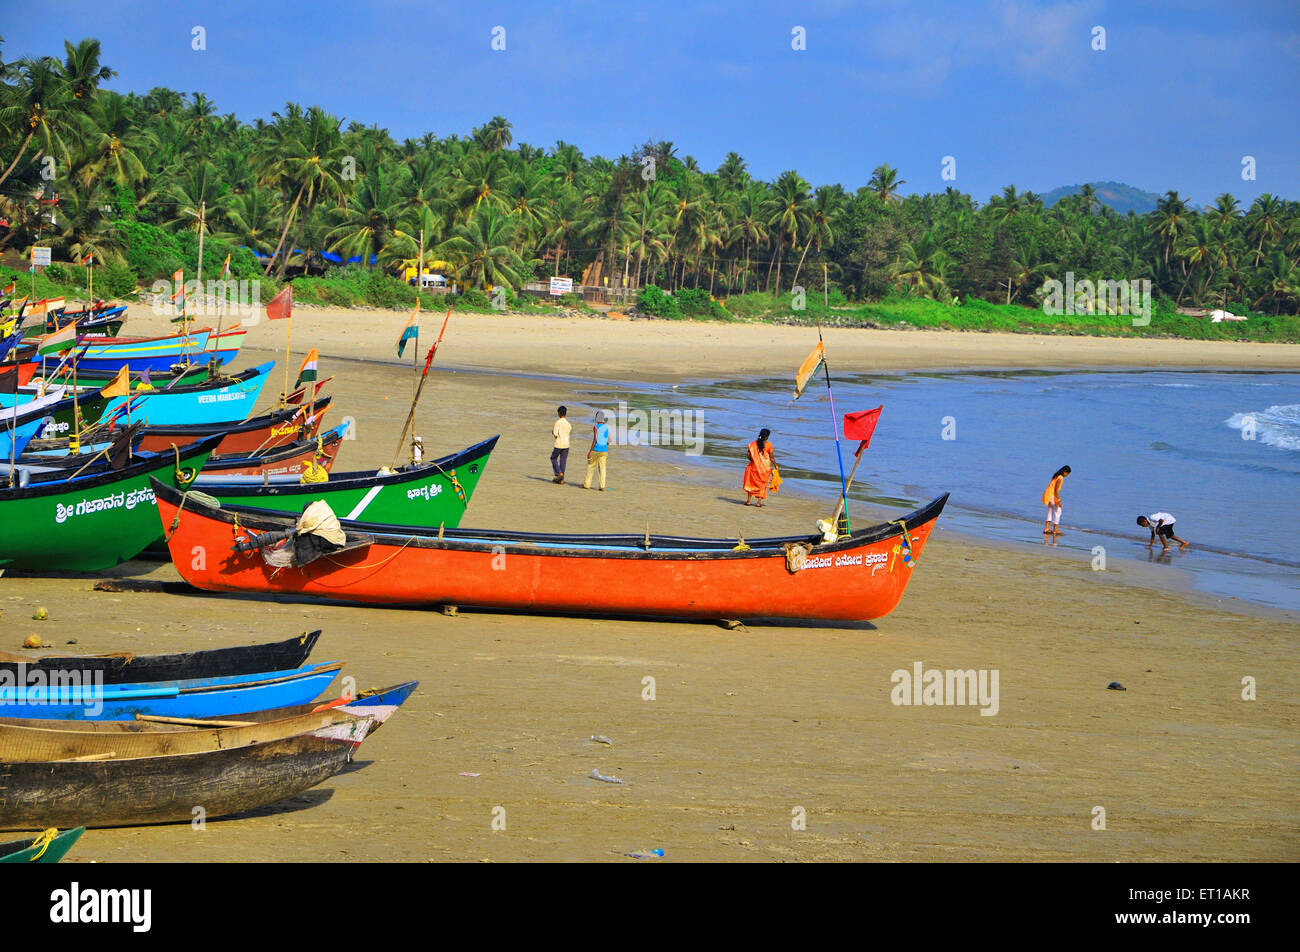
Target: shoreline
(746,723)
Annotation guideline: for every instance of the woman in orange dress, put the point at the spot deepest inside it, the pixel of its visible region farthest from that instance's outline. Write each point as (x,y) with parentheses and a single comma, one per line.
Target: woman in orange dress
(759,471)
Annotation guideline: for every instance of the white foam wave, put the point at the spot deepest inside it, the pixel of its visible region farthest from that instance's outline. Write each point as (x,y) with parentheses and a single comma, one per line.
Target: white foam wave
(1277,426)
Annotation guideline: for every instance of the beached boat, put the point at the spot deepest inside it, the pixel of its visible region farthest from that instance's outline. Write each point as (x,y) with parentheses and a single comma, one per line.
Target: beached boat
(378,704)
(217,400)
(85,700)
(289,460)
(50,847)
(154,353)
(429,495)
(56,522)
(254,435)
(27,741)
(104,322)
(170,788)
(14,440)
(121,667)
(858,577)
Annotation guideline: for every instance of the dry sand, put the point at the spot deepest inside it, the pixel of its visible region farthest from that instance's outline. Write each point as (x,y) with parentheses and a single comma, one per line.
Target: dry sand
(746,726)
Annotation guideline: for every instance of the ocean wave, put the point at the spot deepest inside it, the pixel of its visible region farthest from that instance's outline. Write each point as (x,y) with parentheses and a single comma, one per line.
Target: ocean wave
(1277,426)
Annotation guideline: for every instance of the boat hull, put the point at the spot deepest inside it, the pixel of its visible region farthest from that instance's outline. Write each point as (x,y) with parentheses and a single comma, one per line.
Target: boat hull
(228,403)
(436,494)
(166,789)
(858,578)
(25,851)
(89,523)
(260,433)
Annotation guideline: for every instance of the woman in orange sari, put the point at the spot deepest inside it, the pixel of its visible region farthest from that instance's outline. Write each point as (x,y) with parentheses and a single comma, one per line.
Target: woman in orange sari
(759,471)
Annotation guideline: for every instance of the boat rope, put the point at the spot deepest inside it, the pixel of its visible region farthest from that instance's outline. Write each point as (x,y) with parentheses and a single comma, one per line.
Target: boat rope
(740,546)
(185,497)
(183,476)
(905,543)
(373,565)
(43,841)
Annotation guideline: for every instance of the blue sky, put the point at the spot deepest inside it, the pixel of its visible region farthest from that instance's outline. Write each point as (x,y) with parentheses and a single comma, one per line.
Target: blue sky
(1012,89)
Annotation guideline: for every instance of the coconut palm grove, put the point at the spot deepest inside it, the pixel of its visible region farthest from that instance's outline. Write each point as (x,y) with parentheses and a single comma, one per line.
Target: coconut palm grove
(341,207)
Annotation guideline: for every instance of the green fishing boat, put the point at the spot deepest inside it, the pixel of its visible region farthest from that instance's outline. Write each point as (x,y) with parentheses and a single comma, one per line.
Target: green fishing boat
(50,847)
(425,495)
(89,522)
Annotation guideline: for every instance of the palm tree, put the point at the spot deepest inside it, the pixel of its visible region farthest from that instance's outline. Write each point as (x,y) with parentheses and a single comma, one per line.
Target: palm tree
(923,265)
(790,214)
(82,71)
(110,142)
(485,179)
(495,135)
(1264,221)
(826,205)
(305,156)
(1169,221)
(366,225)
(482,250)
(885,183)
(39,104)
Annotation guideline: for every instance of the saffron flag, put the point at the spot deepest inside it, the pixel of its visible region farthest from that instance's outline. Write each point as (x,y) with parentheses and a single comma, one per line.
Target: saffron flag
(178,291)
(411,331)
(808,368)
(121,384)
(281,306)
(10,287)
(860,426)
(46,307)
(307,372)
(58,341)
(87,259)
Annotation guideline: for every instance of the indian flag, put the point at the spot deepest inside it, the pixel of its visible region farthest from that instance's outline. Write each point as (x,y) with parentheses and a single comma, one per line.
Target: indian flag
(46,307)
(411,331)
(178,291)
(86,259)
(225,269)
(58,341)
(10,288)
(307,372)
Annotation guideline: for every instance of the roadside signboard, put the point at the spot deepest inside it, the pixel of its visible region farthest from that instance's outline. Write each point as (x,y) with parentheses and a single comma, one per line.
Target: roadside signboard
(561,286)
(41,257)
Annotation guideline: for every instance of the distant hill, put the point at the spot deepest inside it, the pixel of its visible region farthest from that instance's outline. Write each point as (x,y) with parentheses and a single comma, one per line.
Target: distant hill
(1117,195)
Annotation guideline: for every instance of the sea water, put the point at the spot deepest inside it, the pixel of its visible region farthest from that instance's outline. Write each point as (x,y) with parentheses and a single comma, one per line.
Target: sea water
(1219,450)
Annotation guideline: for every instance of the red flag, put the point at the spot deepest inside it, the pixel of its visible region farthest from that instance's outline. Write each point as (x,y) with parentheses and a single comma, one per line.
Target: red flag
(281,306)
(860,426)
(429,359)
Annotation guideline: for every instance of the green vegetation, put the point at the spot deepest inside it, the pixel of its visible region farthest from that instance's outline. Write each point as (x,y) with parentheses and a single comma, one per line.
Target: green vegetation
(139,177)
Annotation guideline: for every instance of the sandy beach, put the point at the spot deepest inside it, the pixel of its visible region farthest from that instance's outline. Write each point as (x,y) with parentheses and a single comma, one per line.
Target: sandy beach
(748,730)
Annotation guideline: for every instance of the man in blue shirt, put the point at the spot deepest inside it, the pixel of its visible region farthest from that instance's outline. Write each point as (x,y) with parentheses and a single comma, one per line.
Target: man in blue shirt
(599,451)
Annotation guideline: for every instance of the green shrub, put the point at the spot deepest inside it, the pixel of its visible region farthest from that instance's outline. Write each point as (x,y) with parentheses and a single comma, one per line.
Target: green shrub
(57,272)
(115,281)
(474,298)
(151,252)
(654,300)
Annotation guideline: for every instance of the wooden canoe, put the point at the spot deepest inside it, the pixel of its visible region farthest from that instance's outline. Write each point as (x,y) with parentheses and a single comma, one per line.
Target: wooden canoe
(31,742)
(167,788)
(379,704)
(124,667)
(859,577)
(38,849)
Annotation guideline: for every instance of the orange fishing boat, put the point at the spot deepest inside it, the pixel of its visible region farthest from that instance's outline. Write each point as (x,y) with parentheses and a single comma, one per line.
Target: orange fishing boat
(858,577)
(291,459)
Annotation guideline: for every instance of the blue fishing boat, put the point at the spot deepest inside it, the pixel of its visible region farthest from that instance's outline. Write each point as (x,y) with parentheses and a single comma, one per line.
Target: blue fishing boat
(154,354)
(14,439)
(202,697)
(229,400)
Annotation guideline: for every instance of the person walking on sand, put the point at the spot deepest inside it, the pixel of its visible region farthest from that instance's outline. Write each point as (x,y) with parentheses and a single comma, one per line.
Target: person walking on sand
(599,451)
(560,454)
(1161,524)
(758,472)
(1052,500)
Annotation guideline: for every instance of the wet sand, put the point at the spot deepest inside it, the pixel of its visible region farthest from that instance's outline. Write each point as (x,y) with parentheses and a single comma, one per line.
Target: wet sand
(746,726)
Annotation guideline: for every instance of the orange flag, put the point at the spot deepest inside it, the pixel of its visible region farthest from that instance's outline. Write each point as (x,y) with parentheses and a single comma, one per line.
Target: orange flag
(808,368)
(121,385)
(281,306)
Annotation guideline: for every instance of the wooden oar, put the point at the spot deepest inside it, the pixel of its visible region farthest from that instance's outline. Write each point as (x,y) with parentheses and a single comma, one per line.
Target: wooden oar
(191,722)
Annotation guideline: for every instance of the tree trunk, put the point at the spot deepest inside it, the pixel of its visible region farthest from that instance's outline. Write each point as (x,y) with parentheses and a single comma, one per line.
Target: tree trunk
(21,150)
(297,233)
(288,221)
(801,257)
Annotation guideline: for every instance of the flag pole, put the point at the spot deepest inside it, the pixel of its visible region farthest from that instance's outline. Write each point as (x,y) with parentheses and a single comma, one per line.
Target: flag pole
(288,338)
(835,428)
(410,417)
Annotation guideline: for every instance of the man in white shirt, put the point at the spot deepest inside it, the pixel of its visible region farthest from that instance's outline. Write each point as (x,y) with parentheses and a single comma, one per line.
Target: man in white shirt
(560,454)
(1161,524)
